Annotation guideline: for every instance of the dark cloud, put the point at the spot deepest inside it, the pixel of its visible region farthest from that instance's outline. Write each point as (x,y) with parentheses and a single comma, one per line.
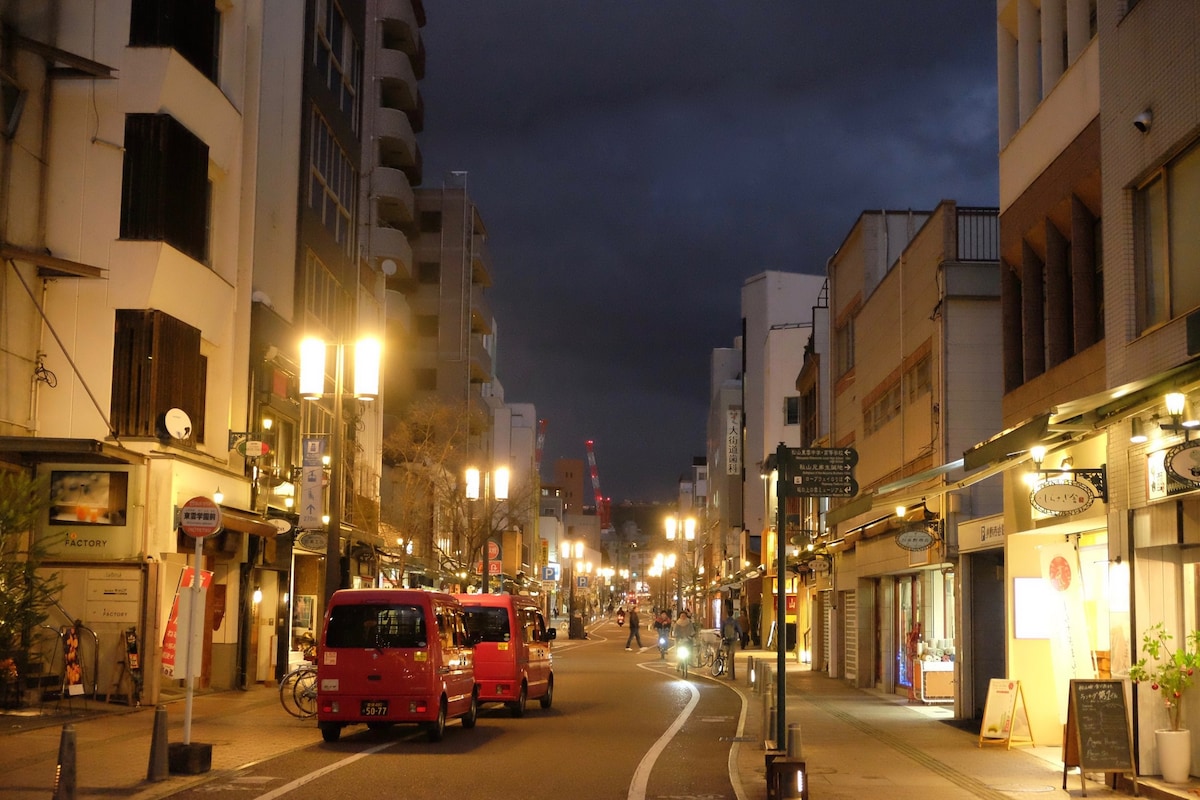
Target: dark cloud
(636,160)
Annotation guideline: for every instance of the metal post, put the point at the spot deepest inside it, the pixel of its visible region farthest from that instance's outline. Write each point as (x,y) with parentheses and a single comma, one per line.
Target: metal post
(781,458)
(195,623)
(333,532)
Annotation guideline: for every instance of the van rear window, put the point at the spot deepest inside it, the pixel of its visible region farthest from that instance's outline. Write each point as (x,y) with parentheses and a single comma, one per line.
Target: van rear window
(487,624)
(380,626)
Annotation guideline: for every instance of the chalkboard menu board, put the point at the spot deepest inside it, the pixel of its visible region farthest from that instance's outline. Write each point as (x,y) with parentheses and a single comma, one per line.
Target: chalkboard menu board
(1098,737)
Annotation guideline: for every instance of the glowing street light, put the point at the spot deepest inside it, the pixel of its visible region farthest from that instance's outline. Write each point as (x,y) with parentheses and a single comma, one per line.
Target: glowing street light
(498,479)
(367,353)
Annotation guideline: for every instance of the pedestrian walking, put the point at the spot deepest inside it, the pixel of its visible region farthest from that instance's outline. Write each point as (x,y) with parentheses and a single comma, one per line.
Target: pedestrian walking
(744,624)
(633,629)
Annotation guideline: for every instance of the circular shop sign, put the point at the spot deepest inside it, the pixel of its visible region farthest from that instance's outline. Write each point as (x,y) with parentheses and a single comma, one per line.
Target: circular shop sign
(1061,498)
(915,539)
(1183,462)
(200,517)
(312,540)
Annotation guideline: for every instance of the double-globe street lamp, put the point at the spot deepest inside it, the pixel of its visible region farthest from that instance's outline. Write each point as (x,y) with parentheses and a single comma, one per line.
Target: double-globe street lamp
(569,550)
(477,485)
(367,354)
(685,532)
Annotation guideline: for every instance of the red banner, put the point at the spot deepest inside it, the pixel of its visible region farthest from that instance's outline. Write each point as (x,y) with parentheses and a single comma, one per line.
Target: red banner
(172,632)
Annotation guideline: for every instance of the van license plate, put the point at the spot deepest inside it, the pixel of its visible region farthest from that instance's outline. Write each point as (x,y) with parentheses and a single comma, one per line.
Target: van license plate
(374,708)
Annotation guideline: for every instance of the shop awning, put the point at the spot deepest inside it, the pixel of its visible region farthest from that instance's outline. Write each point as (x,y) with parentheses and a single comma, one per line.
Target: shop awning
(1066,423)
(50,266)
(236,519)
(36,449)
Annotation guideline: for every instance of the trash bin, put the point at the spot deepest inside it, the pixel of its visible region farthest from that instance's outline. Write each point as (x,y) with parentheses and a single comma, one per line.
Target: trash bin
(575,629)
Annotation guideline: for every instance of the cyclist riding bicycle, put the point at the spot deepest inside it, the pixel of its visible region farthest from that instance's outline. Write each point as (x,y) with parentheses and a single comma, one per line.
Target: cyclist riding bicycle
(685,630)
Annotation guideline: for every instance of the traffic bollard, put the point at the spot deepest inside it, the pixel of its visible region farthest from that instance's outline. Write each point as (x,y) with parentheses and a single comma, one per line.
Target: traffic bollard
(768,721)
(64,775)
(794,744)
(750,674)
(159,767)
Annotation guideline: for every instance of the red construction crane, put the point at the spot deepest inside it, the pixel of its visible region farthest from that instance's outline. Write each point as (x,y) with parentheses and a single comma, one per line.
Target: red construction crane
(602,505)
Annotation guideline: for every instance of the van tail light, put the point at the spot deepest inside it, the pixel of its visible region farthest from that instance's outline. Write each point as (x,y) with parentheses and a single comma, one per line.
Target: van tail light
(330,707)
(501,688)
(418,707)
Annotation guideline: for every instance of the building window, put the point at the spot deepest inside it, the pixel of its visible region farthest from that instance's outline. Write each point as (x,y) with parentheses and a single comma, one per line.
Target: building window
(882,410)
(1167,237)
(431,221)
(190,27)
(791,410)
(333,183)
(429,272)
(425,379)
(427,325)
(917,379)
(808,416)
(338,58)
(843,348)
(324,298)
(157,366)
(164,188)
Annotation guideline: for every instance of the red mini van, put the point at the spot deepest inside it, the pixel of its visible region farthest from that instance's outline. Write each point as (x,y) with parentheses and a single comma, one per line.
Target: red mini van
(513,662)
(390,656)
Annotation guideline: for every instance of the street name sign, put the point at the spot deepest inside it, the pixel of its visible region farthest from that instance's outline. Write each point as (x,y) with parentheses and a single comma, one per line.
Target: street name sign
(820,472)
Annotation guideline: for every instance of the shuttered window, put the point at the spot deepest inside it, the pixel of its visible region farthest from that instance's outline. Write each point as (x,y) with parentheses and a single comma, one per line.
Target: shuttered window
(850,639)
(157,366)
(165,190)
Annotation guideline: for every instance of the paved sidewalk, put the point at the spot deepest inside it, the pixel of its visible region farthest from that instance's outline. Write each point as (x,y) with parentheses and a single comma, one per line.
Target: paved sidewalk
(867,744)
(856,744)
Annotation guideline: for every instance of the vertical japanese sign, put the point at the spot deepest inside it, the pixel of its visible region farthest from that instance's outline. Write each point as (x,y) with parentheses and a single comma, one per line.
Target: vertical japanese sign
(733,442)
(312,484)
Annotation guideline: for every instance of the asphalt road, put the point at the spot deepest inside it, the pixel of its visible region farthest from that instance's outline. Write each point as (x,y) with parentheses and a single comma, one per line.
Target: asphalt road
(623,725)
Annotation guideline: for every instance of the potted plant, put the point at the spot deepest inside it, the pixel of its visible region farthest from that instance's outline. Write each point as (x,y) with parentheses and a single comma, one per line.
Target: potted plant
(1171,671)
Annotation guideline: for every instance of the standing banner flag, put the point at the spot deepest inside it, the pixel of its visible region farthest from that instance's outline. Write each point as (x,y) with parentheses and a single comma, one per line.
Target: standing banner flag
(1070,649)
(179,611)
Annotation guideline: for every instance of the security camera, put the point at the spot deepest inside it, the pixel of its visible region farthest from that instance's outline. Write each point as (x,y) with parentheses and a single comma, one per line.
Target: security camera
(1143,121)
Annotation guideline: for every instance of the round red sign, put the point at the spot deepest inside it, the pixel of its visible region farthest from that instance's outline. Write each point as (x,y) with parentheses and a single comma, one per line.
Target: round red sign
(200,517)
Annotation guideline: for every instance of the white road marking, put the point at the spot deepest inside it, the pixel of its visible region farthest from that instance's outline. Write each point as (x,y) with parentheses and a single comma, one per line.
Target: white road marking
(637,789)
(312,776)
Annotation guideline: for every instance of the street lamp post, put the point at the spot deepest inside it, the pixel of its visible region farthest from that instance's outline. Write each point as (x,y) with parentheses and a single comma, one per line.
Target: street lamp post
(312,387)
(498,479)
(673,532)
(569,550)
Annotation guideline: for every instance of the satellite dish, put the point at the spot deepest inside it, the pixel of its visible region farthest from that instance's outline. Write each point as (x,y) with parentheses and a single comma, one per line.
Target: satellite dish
(178,423)
(389,267)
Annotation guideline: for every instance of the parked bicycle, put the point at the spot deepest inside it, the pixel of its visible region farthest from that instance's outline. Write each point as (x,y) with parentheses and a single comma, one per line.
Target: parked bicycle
(721,659)
(298,691)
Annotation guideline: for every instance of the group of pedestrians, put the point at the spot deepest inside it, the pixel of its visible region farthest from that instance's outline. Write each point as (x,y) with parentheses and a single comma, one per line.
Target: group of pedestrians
(732,629)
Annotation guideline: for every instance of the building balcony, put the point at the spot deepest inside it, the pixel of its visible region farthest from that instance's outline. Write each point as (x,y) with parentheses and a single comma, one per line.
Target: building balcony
(397,81)
(399,26)
(481,311)
(393,197)
(391,244)
(398,146)
(481,362)
(481,261)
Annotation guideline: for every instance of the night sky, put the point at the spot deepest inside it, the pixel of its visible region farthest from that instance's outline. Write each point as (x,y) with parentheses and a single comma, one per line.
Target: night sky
(634,161)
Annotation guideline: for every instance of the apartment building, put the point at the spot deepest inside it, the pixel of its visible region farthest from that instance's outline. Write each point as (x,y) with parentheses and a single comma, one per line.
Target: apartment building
(192,202)
(914,304)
